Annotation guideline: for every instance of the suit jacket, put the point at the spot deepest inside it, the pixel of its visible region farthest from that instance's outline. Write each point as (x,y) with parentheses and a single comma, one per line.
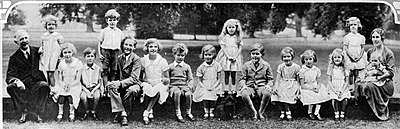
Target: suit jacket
(256,77)
(129,70)
(26,70)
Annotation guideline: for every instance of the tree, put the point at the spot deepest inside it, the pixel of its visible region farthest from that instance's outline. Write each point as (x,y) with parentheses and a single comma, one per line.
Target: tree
(82,13)
(16,17)
(279,13)
(190,17)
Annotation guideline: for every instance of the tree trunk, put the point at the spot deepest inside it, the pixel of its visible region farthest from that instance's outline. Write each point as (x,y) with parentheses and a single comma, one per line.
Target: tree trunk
(251,34)
(6,27)
(298,22)
(194,33)
(89,22)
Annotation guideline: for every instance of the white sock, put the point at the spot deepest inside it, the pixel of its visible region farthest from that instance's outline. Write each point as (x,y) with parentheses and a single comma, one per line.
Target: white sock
(317,109)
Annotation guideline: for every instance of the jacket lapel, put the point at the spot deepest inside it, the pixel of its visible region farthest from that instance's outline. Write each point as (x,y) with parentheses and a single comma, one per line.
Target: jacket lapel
(253,67)
(127,62)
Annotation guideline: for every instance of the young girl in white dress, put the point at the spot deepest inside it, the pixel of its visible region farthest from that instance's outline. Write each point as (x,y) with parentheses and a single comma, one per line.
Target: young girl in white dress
(230,55)
(356,58)
(50,47)
(313,93)
(338,82)
(68,81)
(287,86)
(208,81)
(156,81)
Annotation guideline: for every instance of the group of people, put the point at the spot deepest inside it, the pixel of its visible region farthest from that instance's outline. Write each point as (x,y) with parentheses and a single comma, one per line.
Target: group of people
(124,76)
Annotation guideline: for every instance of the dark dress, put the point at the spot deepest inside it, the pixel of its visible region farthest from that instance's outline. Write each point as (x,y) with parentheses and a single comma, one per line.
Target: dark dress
(378,97)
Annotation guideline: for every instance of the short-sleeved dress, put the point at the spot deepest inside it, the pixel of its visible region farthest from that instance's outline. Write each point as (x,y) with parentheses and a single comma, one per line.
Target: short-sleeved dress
(67,74)
(288,86)
(338,82)
(310,76)
(153,76)
(208,73)
(51,43)
(232,47)
(354,42)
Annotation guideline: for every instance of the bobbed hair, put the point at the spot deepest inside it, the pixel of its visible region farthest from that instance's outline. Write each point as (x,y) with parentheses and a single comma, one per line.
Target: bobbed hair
(380,31)
(355,19)
(208,48)
(151,41)
(68,46)
(288,50)
(180,48)
(308,53)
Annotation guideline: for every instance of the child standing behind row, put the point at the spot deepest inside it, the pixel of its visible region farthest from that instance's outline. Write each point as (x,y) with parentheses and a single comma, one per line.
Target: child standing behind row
(230,55)
(50,48)
(286,87)
(208,78)
(338,82)
(313,93)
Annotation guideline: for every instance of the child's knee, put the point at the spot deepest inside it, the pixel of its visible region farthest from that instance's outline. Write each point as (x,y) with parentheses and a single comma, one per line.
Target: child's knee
(188,94)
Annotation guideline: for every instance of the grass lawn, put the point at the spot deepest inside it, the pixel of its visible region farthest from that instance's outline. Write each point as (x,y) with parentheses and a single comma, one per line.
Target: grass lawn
(165,113)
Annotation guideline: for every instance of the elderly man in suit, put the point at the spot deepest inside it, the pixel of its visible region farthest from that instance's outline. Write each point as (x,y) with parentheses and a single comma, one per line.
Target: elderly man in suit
(27,85)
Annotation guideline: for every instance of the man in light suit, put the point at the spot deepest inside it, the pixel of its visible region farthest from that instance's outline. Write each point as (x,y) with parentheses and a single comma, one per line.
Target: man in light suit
(27,85)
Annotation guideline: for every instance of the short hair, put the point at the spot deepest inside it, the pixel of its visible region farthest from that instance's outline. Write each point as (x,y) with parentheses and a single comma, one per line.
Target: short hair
(180,48)
(112,13)
(18,35)
(288,50)
(308,53)
(334,52)
(355,19)
(257,47)
(88,51)
(127,38)
(68,46)
(151,41)
(49,18)
(208,48)
(380,31)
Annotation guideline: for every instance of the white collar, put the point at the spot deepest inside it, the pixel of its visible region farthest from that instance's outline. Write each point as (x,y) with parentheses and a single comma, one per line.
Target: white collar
(26,51)
(206,64)
(180,64)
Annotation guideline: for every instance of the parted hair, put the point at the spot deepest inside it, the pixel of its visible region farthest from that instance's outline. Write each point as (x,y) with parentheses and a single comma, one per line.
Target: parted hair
(88,51)
(288,50)
(180,48)
(112,13)
(151,41)
(353,19)
(128,38)
(257,47)
(68,46)
(380,31)
(208,48)
(308,53)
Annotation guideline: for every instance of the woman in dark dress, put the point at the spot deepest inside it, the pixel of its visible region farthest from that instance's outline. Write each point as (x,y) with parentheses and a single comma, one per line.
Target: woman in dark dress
(378,97)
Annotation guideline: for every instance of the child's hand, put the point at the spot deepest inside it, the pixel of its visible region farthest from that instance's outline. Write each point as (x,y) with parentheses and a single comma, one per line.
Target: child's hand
(315,89)
(40,51)
(165,81)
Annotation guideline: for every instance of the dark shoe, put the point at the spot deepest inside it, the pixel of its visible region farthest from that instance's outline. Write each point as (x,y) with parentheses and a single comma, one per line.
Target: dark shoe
(23,118)
(180,119)
(116,118)
(151,117)
(85,117)
(311,116)
(191,118)
(318,117)
(95,117)
(337,119)
(124,121)
(342,118)
(39,120)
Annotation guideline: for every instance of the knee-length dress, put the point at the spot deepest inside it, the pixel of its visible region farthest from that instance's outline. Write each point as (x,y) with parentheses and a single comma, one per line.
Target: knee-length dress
(51,43)
(231,47)
(68,81)
(209,75)
(288,86)
(310,76)
(338,83)
(354,42)
(154,70)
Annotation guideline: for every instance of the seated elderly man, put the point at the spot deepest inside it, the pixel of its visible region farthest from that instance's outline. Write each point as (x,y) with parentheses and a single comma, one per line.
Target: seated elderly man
(26,83)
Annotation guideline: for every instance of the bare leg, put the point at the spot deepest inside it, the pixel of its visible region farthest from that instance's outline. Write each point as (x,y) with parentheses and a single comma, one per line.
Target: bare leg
(177,102)
(246,98)
(264,103)
(50,75)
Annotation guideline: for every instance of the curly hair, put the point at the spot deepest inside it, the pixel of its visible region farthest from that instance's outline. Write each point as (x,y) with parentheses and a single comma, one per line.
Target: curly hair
(337,51)
(208,48)
(151,41)
(232,22)
(180,48)
(288,50)
(380,31)
(49,18)
(355,19)
(68,46)
(308,53)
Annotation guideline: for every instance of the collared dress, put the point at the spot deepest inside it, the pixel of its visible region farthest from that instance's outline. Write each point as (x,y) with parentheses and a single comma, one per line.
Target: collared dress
(231,48)
(51,43)
(310,76)
(354,42)
(153,76)
(68,81)
(288,86)
(208,74)
(338,82)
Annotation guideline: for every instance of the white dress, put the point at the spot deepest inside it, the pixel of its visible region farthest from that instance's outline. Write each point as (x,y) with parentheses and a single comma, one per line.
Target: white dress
(310,80)
(153,76)
(51,50)
(209,75)
(288,85)
(354,42)
(231,47)
(338,75)
(67,81)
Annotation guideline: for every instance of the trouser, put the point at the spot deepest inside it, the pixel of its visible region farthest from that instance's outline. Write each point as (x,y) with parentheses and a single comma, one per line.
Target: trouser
(122,101)
(32,98)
